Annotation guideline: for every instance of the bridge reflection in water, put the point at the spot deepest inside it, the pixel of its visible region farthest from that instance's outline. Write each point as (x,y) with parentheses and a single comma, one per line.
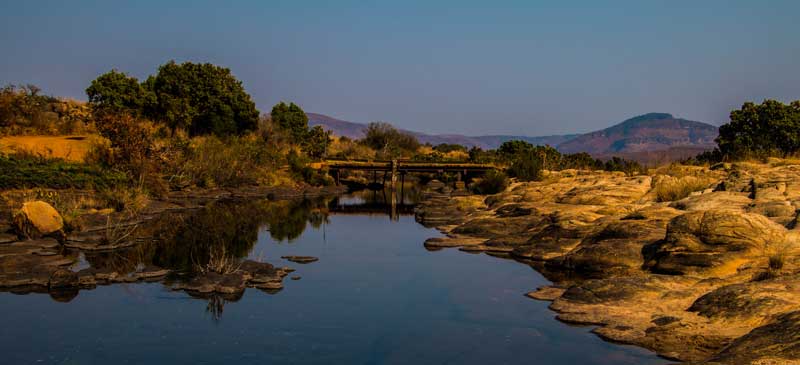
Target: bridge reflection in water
(392,202)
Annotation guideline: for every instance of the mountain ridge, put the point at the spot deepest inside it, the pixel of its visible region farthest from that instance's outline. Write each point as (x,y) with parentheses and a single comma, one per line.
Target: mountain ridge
(356,130)
(643,135)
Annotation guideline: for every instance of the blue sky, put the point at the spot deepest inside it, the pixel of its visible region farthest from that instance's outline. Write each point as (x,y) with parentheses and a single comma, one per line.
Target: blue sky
(471,67)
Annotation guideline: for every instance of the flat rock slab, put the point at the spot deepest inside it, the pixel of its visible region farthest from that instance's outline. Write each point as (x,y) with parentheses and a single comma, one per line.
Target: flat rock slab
(545,293)
(459,241)
(300,259)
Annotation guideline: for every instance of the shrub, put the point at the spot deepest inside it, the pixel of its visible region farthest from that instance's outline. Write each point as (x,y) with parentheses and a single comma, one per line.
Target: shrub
(629,167)
(389,142)
(298,166)
(526,167)
(492,182)
(210,161)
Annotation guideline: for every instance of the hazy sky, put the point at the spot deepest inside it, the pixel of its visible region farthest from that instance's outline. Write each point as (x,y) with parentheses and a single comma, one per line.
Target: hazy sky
(472,67)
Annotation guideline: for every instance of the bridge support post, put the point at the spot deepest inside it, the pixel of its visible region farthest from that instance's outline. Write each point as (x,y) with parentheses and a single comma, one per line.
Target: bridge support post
(394,190)
(394,174)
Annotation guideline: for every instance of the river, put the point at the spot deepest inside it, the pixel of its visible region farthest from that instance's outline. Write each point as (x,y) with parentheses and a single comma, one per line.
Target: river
(376,295)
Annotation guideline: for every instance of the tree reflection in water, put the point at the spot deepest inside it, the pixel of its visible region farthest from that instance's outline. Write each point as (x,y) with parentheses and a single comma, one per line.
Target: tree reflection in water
(219,236)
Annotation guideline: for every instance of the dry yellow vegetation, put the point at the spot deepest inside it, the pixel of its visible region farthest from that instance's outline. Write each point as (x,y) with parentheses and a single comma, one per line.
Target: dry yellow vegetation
(70,148)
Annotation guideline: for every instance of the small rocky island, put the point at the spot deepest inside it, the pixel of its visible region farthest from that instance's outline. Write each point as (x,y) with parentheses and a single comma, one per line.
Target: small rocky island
(711,278)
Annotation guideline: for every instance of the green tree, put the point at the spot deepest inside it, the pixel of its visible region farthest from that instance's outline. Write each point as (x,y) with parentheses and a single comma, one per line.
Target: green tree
(581,161)
(509,149)
(629,167)
(526,167)
(201,98)
(291,119)
(316,142)
(764,129)
(115,91)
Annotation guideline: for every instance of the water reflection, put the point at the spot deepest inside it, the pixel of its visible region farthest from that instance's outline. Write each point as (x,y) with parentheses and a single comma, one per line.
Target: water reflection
(375,296)
(219,236)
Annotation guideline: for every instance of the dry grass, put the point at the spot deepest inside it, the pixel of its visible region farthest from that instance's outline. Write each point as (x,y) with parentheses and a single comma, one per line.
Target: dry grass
(69,148)
(124,199)
(349,149)
(117,231)
(671,188)
(218,262)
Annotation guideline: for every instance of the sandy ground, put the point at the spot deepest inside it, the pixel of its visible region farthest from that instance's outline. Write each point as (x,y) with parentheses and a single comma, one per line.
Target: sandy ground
(71,148)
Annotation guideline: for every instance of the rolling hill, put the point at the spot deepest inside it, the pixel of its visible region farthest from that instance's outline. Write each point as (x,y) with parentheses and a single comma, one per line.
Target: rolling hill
(356,130)
(648,138)
(645,133)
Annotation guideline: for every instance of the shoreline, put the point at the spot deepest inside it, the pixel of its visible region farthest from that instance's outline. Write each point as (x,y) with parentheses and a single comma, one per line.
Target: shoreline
(42,265)
(688,279)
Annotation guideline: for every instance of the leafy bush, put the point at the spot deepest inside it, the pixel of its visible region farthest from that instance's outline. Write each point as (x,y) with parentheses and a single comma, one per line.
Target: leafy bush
(492,182)
(298,166)
(526,167)
(581,161)
(629,167)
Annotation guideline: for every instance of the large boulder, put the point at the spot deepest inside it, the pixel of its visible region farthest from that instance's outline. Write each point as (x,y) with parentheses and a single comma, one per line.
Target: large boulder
(37,219)
(614,250)
(714,243)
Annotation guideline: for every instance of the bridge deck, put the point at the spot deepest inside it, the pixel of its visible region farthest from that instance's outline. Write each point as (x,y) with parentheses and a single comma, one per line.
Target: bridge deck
(404,166)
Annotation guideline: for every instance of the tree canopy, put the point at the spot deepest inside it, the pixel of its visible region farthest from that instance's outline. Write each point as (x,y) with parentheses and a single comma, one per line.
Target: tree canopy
(762,129)
(116,91)
(200,98)
(291,119)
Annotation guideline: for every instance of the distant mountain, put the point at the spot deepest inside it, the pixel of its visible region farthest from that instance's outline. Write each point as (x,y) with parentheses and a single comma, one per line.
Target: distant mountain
(649,138)
(356,130)
(645,133)
(339,127)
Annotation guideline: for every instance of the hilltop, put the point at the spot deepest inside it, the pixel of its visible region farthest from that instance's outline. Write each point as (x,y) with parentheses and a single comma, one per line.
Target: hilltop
(653,137)
(356,130)
(644,133)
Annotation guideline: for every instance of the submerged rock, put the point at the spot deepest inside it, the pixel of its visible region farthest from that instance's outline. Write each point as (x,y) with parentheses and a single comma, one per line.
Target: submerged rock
(301,259)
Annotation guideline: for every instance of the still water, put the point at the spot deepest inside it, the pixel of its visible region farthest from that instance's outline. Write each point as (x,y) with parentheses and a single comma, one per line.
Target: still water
(376,295)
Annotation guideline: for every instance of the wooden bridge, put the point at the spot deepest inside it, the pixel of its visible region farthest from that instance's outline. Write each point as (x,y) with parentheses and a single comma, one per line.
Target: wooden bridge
(398,168)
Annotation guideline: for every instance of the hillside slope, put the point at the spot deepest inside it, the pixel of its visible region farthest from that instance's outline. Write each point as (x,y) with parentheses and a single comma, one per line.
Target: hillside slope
(648,132)
(356,130)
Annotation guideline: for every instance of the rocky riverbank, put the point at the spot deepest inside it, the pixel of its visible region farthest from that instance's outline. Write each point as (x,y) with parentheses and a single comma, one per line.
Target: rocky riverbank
(711,278)
(39,254)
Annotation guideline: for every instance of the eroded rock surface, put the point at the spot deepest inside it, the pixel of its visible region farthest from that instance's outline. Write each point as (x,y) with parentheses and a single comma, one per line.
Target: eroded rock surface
(710,278)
